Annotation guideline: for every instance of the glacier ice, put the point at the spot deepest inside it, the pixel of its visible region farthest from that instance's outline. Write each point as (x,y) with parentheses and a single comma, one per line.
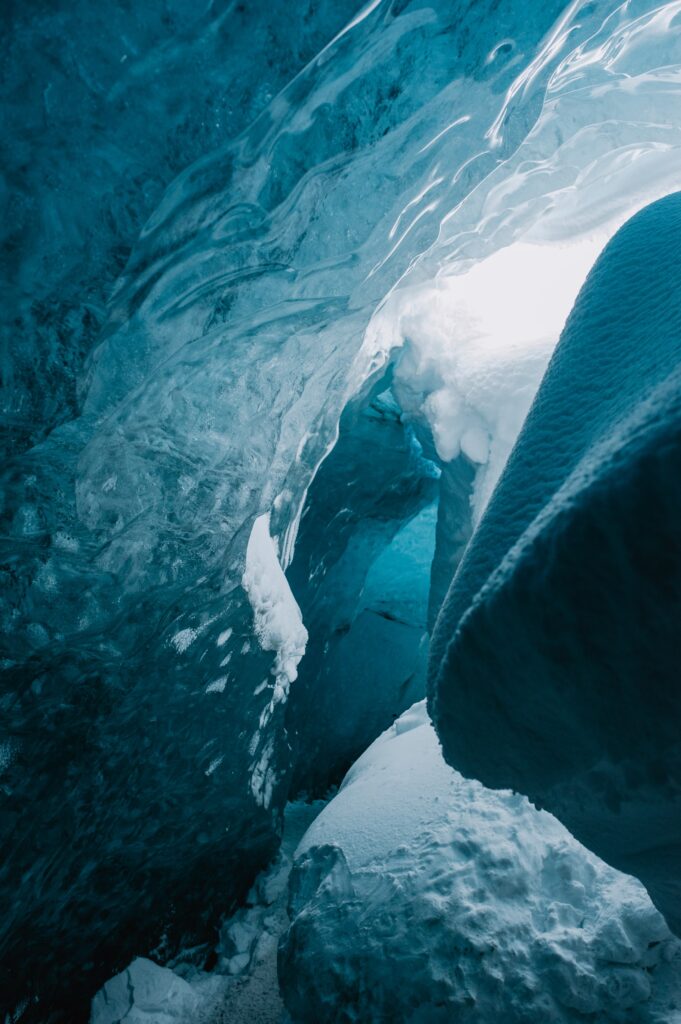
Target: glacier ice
(555,658)
(145,994)
(370,167)
(82,85)
(418,895)
(279,627)
(361,573)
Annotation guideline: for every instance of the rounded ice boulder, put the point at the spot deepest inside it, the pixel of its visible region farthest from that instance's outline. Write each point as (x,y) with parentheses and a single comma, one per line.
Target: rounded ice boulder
(420,896)
(554,664)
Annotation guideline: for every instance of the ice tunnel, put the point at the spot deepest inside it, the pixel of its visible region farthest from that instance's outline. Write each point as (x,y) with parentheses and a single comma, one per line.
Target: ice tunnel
(328,328)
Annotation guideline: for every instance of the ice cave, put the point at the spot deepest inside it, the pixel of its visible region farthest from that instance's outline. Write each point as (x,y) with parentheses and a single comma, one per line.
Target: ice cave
(340,594)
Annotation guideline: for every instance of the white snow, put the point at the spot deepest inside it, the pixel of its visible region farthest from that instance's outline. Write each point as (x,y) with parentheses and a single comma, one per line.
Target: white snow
(145,993)
(278,621)
(475,346)
(218,685)
(224,637)
(418,895)
(183,640)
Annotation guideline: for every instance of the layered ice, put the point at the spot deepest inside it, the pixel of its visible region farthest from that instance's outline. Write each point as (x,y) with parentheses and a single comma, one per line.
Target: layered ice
(554,664)
(103,106)
(418,895)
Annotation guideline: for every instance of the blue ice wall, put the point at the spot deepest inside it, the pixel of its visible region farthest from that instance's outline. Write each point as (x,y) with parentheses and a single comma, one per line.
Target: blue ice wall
(103,105)
(554,664)
(361,574)
(147,433)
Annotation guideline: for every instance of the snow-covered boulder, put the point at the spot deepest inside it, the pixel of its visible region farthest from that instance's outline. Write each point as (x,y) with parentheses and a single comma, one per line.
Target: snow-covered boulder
(418,895)
(145,993)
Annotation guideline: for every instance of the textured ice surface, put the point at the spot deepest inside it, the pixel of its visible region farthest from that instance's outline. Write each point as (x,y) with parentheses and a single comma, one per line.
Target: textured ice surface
(555,664)
(103,106)
(475,349)
(149,433)
(278,623)
(418,895)
(145,994)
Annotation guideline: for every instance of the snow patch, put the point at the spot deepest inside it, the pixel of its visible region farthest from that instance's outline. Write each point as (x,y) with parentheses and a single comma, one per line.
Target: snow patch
(218,685)
(278,621)
(474,347)
(183,640)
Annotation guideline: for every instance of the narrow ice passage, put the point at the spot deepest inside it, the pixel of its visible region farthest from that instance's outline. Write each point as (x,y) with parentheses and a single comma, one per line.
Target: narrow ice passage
(285,289)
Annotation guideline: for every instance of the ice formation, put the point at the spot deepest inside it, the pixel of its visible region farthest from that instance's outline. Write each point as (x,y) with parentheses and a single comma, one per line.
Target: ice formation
(418,895)
(558,642)
(145,994)
(475,348)
(271,267)
(361,571)
(243,985)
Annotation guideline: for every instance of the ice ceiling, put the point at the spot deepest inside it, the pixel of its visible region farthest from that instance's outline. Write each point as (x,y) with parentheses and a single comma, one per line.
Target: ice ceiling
(339,310)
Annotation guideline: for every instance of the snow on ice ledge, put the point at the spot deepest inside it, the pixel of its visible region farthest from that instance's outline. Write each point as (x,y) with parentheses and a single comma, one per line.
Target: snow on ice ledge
(278,625)
(278,621)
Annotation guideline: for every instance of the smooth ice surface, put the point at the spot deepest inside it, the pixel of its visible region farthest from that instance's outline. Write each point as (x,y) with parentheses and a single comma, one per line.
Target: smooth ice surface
(418,895)
(554,663)
(103,105)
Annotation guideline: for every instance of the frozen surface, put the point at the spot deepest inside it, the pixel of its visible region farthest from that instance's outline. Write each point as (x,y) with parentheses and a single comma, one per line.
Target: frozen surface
(145,993)
(418,895)
(476,346)
(555,659)
(103,106)
(278,622)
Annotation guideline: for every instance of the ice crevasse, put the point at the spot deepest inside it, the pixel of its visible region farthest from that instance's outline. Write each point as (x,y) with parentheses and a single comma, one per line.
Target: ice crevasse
(381,260)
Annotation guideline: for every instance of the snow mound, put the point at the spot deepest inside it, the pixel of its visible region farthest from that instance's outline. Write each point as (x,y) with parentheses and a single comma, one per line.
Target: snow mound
(474,347)
(418,895)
